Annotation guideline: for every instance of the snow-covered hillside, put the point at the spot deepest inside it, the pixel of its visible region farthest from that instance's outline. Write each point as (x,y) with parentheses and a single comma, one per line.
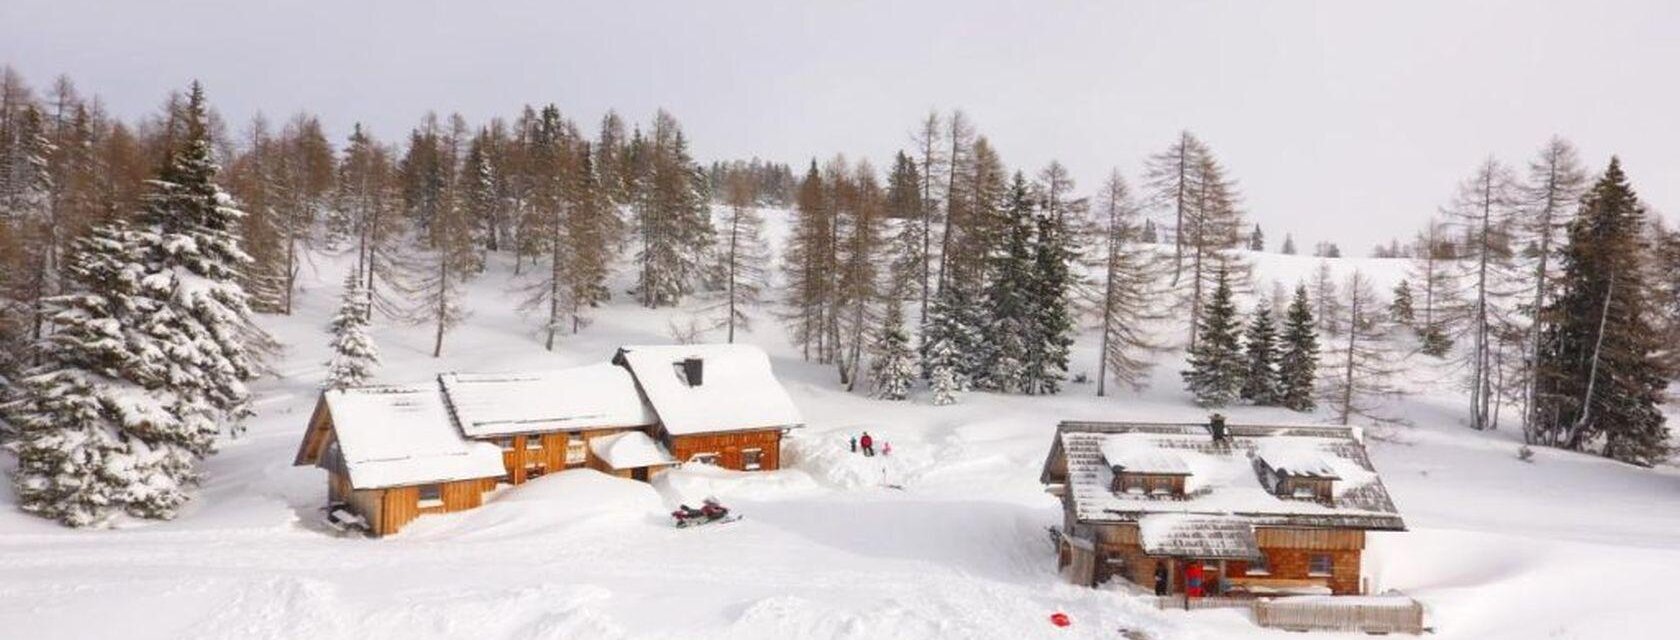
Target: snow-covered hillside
(945,538)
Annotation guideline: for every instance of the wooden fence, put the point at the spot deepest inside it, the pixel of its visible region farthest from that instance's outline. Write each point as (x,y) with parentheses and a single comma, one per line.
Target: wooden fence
(1393,615)
(1380,614)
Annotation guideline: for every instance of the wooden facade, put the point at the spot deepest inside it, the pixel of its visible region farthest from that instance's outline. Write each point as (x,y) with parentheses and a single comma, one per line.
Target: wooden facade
(388,510)
(1290,560)
(757,450)
(533,455)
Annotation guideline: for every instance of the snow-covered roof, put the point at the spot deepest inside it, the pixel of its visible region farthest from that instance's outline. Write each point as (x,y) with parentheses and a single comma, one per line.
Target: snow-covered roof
(630,450)
(1198,536)
(587,397)
(1224,477)
(1142,457)
(736,390)
(402,435)
(1293,458)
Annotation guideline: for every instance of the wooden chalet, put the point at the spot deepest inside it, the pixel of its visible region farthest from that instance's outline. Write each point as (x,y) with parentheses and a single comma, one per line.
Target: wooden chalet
(1265,510)
(393,453)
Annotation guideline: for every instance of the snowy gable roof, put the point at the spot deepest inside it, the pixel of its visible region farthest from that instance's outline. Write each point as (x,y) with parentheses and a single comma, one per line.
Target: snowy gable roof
(630,450)
(1224,478)
(1198,536)
(587,397)
(402,435)
(707,388)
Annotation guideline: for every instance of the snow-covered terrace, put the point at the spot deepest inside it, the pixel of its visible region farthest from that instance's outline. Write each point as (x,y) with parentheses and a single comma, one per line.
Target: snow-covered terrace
(1223,477)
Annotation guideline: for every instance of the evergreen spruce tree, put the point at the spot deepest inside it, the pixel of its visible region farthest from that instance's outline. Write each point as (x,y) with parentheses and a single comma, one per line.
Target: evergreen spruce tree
(1051,328)
(1298,365)
(893,368)
(355,356)
(1009,299)
(1400,309)
(1257,239)
(1215,376)
(950,345)
(1602,381)
(86,417)
(189,232)
(1261,384)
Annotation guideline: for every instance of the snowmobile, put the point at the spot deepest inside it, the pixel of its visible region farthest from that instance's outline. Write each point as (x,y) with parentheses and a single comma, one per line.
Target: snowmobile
(710,512)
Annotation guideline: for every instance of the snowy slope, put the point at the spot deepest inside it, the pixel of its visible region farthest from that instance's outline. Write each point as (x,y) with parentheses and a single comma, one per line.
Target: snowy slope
(1499,548)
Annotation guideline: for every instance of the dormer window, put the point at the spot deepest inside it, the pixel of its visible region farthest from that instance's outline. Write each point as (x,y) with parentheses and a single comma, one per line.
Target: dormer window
(1154,485)
(1294,474)
(1147,471)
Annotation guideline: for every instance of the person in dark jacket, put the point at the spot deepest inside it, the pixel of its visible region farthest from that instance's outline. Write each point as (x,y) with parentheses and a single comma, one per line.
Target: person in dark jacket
(868,444)
(1160,579)
(854,444)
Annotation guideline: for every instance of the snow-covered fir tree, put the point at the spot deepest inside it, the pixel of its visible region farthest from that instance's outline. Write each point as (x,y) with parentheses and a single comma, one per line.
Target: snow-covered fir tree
(1052,325)
(1400,306)
(355,357)
(1602,382)
(950,345)
(1013,314)
(1215,376)
(1298,363)
(893,369)
(1261,384)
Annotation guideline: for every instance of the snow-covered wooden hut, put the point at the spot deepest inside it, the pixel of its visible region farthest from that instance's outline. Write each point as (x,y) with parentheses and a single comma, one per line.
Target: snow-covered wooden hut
(715,403)
(395,452)
(1261,509)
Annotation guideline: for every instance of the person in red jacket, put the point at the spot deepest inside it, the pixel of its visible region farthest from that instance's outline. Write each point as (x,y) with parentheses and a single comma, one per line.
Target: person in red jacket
(867,443)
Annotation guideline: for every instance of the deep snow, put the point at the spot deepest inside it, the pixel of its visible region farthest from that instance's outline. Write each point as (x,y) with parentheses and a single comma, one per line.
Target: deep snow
(945,538)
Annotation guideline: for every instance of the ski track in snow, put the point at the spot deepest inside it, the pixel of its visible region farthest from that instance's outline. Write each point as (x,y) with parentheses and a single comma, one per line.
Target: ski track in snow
(1498,549)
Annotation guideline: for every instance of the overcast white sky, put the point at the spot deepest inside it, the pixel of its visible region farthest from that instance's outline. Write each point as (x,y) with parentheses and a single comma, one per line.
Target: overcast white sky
(1349,121)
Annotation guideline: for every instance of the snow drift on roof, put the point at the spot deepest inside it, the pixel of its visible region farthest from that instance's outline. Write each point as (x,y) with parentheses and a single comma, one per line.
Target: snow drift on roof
(402,435)
(587,397)
(737,390)
(1198,536)
(1295,458)
(630,450)
(1142,456)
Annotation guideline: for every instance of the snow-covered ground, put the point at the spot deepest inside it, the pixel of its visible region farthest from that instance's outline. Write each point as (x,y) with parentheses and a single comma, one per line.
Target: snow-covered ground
(945,538)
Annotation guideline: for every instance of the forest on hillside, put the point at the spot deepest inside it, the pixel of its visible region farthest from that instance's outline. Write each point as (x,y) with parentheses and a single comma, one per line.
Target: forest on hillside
(135,255)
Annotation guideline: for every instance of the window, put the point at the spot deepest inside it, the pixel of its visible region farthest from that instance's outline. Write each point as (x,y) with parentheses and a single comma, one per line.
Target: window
(431,495)
(1319,564)
(752,459)
(577,451)
(704,458)
(1259,567)
(505,443)
(533,441)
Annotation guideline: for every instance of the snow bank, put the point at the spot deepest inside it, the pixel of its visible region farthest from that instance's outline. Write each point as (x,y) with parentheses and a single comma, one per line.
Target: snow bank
(693,482)
(630,450)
